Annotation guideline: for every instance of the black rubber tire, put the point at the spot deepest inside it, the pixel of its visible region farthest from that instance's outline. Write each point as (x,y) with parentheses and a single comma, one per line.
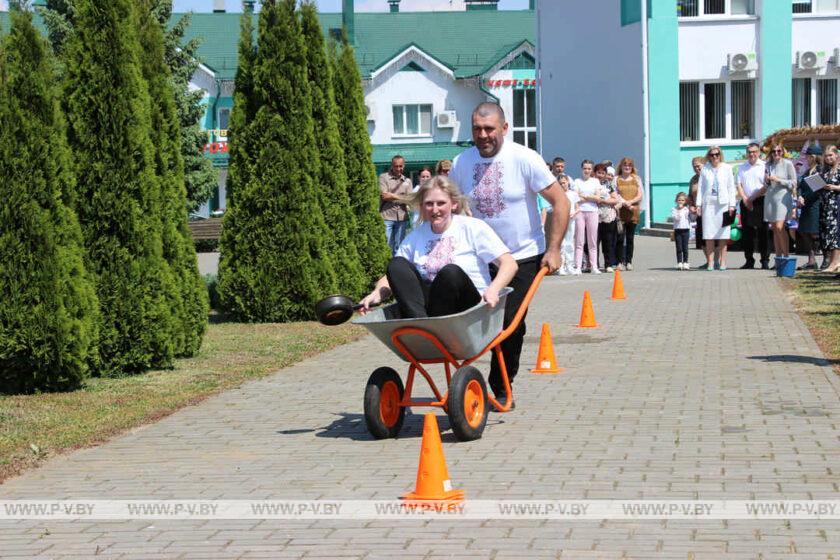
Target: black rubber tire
(455,404)
(373,397)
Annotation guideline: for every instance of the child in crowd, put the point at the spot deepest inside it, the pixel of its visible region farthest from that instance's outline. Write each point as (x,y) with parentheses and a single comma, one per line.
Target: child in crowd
(682,227)
(567,248)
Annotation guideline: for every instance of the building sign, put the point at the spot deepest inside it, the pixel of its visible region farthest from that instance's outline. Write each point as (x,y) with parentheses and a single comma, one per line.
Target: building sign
(511,83)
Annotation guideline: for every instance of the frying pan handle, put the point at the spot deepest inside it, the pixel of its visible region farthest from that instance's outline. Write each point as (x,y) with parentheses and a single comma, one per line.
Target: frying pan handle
(358,306)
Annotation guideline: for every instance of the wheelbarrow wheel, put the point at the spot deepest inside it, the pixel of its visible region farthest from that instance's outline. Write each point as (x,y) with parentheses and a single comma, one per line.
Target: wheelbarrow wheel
(467,404)
(383,414)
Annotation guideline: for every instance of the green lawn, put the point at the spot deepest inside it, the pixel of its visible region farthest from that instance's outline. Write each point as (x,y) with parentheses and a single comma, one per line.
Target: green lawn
(817,298)
(34,427)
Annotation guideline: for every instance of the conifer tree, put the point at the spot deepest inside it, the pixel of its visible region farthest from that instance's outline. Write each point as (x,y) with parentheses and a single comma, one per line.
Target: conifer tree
(280,268)
(244,109)
(188,304)
(48,316)
(200,178)
(363,185)
(109,132)
(331,181)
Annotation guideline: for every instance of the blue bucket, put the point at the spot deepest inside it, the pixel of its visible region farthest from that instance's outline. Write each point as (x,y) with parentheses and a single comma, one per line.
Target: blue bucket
(786,266)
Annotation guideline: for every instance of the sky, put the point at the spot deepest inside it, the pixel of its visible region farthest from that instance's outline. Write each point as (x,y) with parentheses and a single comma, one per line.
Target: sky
(335,5)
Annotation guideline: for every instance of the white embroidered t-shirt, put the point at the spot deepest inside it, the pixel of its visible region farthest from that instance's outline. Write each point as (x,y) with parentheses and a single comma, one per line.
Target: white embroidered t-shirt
(467,242)
(590,187)
(751,177)
(502,191)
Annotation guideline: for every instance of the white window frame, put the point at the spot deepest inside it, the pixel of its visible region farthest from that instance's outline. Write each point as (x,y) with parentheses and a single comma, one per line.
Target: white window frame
(405,109)
(728,139)
(524,129)
(727,11)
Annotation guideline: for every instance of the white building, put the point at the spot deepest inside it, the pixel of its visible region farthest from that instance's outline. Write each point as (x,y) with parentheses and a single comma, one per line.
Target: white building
(691,74)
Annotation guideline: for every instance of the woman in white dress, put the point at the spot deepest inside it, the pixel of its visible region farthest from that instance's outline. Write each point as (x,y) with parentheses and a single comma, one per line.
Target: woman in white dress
(715,197)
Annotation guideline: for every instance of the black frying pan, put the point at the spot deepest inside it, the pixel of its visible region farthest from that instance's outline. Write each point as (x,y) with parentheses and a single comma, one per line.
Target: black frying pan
(334,310)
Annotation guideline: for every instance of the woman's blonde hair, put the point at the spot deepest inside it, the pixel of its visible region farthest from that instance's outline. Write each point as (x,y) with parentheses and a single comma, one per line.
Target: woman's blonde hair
(441,183)
(443,165)
(699,160)
(711,149)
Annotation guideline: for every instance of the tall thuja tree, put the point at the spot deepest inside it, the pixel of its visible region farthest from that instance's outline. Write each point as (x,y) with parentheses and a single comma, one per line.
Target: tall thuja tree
(244,109)
(181,57)
(281,268)
(188,305)
(363,186)
(331,180)
(200,178)
(110,134)
(48,316)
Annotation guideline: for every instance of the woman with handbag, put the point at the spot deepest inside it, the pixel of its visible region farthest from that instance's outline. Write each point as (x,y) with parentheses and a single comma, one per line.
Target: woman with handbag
(715,201)
(630,190)
(607,217)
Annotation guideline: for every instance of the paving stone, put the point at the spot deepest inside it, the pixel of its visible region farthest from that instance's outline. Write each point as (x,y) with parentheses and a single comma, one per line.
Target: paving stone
(698,386)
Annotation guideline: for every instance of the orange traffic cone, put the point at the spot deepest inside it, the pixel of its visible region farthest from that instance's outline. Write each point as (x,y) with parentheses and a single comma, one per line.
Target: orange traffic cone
(618,286)
(546,362)
(587,314)
(432,475)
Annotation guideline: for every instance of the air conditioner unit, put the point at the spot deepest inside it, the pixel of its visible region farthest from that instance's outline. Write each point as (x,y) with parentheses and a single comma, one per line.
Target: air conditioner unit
(742,62)
(811,60)
(370,111)
(446,119)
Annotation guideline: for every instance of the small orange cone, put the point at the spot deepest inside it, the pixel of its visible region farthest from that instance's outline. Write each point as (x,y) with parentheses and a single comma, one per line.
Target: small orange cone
(587,314)
(618,286)
(546,362)
(432,475)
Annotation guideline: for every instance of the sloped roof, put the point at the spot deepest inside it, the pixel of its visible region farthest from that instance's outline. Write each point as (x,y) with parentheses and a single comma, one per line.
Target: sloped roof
(469,42)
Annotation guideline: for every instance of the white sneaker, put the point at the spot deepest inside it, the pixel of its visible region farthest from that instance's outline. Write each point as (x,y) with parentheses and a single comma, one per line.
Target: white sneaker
(563,271)
(576,272)
(679,266)
(610,269)
(596,270)
(629,266)
(620,267)
(686,266)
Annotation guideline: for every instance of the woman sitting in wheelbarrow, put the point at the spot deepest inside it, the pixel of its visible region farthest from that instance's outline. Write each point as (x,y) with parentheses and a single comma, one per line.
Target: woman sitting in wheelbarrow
(441,267)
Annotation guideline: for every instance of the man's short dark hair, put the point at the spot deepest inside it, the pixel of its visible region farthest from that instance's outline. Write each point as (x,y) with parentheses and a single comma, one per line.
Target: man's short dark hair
(600,167)
(396,157)
(589,161)
(557,160)
(489,108)
(753,145)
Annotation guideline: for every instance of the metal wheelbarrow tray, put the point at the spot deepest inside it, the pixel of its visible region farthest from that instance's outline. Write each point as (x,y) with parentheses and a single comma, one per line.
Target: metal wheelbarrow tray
(456,341)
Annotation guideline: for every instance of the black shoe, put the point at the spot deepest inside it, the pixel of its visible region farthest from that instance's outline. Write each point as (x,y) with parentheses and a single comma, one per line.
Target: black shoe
(765,265)
(503,402)
(748,265)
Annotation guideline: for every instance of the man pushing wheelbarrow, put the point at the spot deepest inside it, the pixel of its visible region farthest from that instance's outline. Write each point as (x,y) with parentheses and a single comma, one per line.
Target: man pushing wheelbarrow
(463,284)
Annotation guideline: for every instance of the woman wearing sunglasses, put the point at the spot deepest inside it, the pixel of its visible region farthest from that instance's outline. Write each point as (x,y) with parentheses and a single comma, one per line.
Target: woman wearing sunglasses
(716,196)
(778,190)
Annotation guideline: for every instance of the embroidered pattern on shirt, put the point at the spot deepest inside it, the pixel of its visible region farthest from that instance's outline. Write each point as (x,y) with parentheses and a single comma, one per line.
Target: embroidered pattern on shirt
(439,253)
(487,189)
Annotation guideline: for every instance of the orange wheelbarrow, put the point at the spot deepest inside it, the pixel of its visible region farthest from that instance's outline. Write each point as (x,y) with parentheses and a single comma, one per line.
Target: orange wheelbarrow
(456,341)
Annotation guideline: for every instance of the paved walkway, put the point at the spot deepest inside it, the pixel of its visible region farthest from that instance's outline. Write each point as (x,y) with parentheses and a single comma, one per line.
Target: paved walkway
(702,385)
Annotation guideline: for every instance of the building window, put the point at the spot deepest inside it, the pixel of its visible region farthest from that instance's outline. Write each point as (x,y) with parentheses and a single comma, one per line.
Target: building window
(525,117)
(698,8)
(743,114)
(412,120)
(827,102)
(801,102)
(689,111)
(717,110)
(223,119)
(815,6)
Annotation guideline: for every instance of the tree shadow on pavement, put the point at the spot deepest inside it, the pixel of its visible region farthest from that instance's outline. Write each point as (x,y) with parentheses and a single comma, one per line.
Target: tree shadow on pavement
(790,358)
